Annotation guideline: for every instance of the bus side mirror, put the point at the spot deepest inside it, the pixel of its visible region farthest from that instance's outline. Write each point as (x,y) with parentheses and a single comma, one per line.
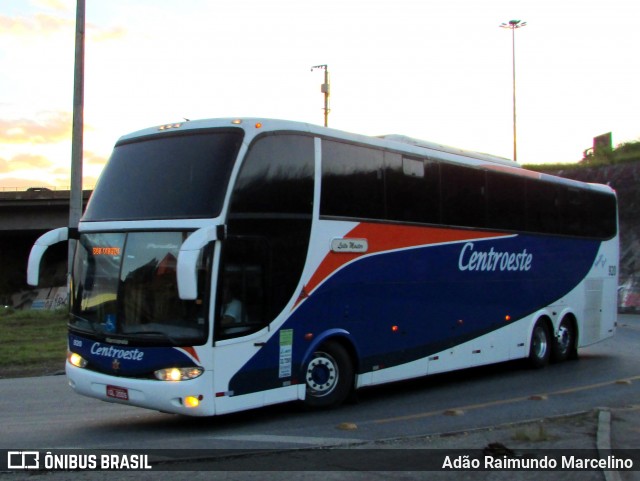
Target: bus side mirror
(187,268)
(39,248)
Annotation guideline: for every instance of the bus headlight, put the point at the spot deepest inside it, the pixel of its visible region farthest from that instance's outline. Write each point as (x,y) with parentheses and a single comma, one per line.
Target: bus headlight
(178,373)
(76,360)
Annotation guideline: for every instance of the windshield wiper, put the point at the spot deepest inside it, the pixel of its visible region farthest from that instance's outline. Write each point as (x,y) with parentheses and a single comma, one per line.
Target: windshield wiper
(92,324)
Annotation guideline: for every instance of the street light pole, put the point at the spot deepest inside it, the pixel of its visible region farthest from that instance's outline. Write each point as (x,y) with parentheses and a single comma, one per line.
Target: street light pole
(513,25)
(326,90)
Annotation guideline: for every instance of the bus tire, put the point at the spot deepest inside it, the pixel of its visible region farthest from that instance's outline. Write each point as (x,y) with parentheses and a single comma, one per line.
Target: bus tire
(564,344)
(328,376)
(540,347)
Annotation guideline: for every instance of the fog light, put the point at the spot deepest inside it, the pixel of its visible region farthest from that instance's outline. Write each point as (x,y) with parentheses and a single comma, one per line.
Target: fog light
(192,401)
(76,360)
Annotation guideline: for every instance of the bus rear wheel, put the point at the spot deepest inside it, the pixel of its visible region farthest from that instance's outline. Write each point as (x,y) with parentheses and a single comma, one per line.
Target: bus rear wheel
(328,376)
(540,348)
(564,346)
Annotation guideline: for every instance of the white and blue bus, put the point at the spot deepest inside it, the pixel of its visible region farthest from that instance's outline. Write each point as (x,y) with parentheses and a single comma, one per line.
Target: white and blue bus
(229,264)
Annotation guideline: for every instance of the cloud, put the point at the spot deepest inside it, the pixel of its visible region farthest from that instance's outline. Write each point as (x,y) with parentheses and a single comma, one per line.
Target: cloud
(48,24)
(24,171)
(18,183)
(30,170)
(89,182)
(54,127)
(41,23)
(98,34)
(22,162)
(93,159)
(59,5)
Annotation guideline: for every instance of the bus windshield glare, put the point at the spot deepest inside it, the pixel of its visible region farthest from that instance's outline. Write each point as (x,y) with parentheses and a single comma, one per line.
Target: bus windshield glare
(125,287)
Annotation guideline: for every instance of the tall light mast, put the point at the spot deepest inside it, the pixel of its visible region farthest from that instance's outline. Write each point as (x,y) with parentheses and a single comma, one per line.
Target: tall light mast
(513,25)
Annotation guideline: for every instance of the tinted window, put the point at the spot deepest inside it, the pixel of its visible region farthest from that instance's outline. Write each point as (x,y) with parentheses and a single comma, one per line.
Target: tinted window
(463,196)
(602,215)
(412,189)
(269,225)
(183,176)
(243,305)
(352,181)
(586,213)
(573,211)
(505,201)
(277,176)
(366,183)
(542,207)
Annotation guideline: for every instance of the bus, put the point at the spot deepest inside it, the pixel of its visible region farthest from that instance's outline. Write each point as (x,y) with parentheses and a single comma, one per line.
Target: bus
(228,264)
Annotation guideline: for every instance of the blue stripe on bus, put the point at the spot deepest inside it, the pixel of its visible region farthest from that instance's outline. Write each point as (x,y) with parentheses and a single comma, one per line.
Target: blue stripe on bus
(438,296)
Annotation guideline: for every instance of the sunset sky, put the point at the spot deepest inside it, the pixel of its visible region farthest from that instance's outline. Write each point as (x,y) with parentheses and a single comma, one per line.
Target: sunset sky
(439,71)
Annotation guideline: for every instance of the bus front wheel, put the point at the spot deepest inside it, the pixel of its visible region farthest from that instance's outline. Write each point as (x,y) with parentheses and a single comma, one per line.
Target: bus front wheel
(540,348)
(328,376)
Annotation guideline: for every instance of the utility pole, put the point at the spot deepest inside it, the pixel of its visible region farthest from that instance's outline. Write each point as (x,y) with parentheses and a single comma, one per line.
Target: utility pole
(513,25)
(325,88)
(75,201)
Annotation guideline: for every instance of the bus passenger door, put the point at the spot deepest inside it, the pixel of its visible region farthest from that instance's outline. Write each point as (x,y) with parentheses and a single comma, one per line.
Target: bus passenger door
(240,318)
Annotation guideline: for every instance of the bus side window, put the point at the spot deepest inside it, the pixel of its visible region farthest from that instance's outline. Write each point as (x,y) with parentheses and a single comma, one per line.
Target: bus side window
(463,196)
(412,189)
(352,181)
(505,201)
(542,207)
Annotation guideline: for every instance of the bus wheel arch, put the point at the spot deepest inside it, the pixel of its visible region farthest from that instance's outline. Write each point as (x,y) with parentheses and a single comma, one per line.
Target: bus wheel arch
(329,373)
(541,342)
(565,340)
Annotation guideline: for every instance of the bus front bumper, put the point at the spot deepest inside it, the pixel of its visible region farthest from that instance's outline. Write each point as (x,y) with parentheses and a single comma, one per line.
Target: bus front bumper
(191,398)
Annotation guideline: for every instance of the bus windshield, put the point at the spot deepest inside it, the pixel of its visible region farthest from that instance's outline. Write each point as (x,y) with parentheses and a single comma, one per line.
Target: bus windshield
(124,287)
(170,177)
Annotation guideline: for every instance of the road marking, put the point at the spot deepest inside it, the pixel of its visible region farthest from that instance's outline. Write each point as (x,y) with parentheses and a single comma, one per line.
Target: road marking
(272,438)
(469,407)
(593,386)
(500,402)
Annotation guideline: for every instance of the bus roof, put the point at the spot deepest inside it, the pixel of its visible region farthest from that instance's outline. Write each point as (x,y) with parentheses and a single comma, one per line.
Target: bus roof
(274,124)
(450,150)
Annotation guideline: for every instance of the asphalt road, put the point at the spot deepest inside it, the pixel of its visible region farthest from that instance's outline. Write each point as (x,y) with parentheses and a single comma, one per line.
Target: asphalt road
(44,413)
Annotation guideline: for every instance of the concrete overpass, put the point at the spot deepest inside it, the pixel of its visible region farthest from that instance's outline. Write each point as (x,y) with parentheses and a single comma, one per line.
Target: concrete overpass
(24,216)
(36,209)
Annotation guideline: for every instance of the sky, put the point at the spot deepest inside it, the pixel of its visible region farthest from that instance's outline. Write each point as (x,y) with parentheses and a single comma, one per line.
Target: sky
(439,71)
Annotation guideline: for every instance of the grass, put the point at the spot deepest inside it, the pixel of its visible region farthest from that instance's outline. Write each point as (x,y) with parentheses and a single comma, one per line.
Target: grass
(33,343)
(623,153)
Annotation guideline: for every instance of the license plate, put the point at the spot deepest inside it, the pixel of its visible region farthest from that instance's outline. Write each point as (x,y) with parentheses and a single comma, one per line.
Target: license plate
(118,393)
